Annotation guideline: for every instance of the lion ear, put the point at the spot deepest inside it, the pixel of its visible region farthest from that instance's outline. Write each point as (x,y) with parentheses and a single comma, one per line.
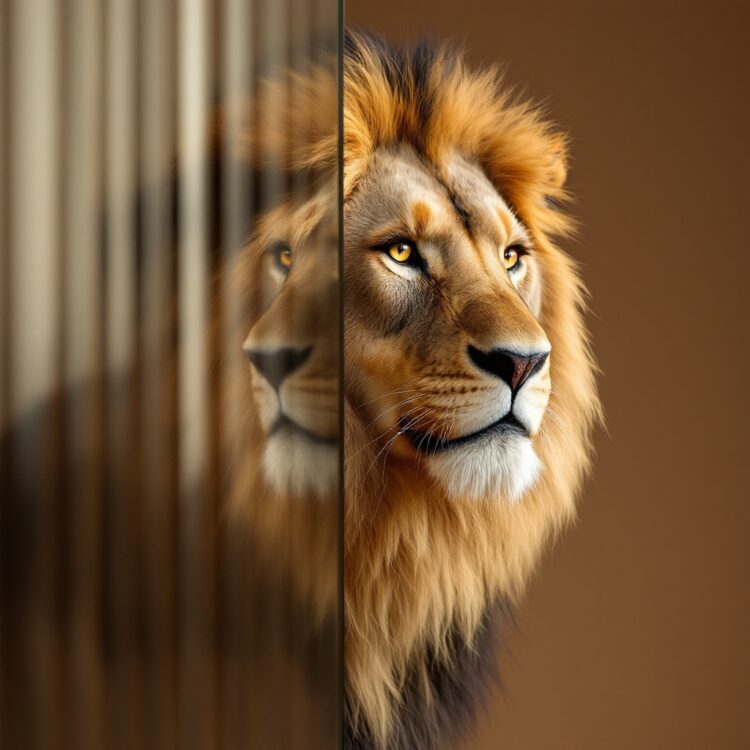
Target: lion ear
(557,170)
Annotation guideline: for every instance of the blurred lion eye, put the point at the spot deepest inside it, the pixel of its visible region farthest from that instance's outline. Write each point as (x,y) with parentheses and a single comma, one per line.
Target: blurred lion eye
(512,256)
(401,252)
(283,257)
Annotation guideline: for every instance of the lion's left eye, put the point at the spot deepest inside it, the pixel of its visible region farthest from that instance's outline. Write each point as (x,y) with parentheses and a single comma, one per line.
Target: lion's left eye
(512,256)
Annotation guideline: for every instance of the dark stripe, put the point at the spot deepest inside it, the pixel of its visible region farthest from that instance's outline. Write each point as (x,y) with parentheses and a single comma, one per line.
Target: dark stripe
(461,210)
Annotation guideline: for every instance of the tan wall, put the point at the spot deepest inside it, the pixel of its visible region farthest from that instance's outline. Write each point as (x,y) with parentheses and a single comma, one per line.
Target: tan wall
(636,635)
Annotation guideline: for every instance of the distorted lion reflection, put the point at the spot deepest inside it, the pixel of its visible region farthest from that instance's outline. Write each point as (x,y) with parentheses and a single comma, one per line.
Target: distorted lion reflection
(293,348)
(287,438)
(280,352)
(271,634)
(281,456)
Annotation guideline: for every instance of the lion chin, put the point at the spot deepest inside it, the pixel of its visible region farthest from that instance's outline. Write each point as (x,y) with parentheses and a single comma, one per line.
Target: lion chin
(501,468)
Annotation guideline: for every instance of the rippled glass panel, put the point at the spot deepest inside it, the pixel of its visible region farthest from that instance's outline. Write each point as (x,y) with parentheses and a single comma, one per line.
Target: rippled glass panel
(169,374)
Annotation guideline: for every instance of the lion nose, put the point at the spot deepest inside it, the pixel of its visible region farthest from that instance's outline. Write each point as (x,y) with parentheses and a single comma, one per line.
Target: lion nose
(511,367)
(277,364)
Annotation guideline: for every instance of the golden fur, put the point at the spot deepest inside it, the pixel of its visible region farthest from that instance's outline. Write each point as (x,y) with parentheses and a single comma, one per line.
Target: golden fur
(420,562)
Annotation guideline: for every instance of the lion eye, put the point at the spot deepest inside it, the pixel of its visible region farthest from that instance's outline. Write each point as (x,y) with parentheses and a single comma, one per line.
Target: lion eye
(511,257)
(401,252)
(284,257)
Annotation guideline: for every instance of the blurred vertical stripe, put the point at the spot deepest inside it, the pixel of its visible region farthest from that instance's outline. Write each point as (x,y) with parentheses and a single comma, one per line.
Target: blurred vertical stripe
(34,345)
(83,145)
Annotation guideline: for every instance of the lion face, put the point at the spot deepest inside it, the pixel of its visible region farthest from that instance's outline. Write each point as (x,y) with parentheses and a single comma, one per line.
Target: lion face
(446,359)
(293,349)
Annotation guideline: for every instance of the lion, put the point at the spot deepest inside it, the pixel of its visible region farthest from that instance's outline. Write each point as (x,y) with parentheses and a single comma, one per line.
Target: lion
(469,386)
(469,389)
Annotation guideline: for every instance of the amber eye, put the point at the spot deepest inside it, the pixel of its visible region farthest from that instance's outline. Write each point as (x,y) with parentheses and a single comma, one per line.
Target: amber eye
(511,257)
(401,252)
(283,257)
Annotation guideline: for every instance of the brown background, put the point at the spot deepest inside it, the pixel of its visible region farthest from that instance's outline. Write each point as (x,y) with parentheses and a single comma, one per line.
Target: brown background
(636,633)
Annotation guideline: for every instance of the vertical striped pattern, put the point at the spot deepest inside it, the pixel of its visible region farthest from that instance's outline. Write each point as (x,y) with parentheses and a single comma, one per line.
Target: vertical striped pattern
(126,618)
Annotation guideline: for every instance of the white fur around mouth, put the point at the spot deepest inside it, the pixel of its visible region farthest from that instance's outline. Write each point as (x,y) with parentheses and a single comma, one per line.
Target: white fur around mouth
(297,465)
(499,468)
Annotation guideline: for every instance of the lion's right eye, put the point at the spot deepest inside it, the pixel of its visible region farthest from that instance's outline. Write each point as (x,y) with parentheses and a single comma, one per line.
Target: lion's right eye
(402,252)
(512,256)
(283,256)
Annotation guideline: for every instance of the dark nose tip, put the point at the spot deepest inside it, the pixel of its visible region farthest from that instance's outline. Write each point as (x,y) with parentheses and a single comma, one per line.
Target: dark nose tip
(277,364)
(513,368)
